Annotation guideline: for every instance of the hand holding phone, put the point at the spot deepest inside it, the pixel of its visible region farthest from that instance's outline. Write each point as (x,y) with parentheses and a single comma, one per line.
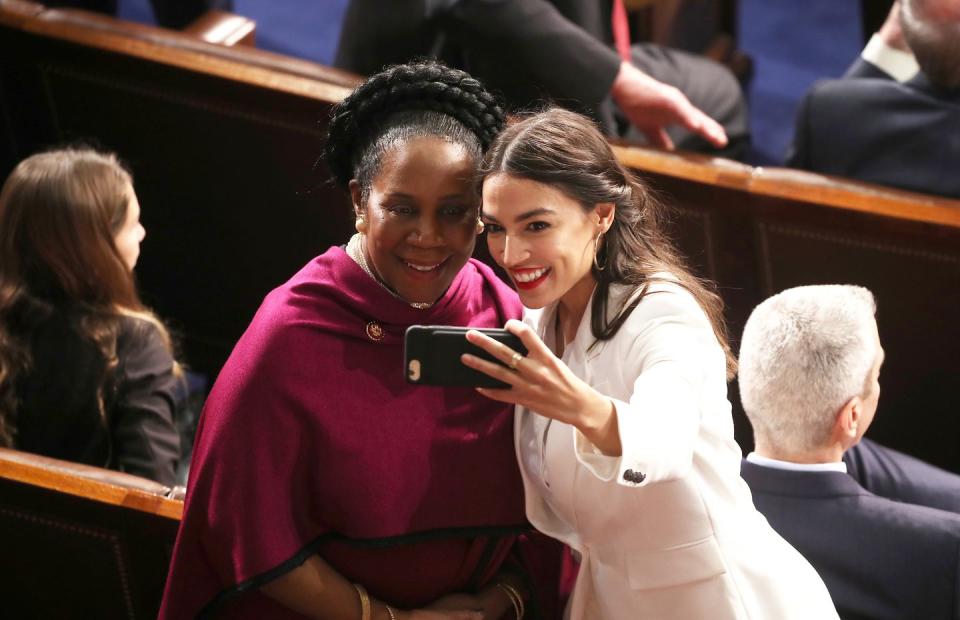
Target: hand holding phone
(432,355)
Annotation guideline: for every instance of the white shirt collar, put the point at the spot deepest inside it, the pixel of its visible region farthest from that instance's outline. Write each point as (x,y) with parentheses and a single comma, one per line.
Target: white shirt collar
(899,64)
(756,459)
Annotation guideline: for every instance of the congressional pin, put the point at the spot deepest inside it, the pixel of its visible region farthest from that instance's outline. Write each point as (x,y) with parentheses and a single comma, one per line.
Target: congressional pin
(374,331)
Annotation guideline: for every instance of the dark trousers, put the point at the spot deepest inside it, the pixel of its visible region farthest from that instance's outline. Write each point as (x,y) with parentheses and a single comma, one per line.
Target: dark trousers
(708,85)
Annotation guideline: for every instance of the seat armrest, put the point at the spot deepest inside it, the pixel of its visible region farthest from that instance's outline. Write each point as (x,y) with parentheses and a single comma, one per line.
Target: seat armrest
(54,466)
(224,28)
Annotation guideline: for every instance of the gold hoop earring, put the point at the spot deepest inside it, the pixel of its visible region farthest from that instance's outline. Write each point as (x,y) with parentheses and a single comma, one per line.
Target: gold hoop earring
(480,227)
(596,252)
(361,225)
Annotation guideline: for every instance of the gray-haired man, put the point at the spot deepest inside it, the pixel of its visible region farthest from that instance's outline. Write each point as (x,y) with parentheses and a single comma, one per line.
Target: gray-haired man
(810,362)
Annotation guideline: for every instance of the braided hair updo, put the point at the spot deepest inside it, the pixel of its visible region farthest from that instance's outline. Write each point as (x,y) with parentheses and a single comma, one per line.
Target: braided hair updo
(407,101)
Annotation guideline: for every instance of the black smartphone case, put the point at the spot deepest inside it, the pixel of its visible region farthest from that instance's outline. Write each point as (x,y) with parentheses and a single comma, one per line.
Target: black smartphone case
(432,355)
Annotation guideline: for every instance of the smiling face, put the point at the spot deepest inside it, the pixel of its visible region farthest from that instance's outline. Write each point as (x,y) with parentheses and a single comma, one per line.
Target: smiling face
(420,215)
(131,233)
(544,239)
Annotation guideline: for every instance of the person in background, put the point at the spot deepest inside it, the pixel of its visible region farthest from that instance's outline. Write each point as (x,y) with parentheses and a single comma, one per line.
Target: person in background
(624,433)
(323,485)
(885,122)
(87,372)
(575,53)
(895,475)
(810,362)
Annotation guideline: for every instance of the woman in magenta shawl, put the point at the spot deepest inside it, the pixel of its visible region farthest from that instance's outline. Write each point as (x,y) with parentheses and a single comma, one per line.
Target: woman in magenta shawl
(322,484)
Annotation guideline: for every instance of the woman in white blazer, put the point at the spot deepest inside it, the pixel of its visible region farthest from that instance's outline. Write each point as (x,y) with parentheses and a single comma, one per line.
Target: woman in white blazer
(624,432)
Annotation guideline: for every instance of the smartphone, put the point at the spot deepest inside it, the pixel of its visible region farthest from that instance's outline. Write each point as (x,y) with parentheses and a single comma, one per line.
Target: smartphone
(432,355)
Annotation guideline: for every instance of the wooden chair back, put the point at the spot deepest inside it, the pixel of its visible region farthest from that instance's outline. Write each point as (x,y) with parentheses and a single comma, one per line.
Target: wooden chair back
(81,542)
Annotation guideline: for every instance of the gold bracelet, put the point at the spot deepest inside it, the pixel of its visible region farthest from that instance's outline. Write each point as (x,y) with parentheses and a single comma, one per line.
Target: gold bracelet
(516,601)
(516,592)
(364,601)
(391,613)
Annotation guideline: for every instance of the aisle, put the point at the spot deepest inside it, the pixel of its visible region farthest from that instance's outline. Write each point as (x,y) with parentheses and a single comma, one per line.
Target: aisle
(792,44)
(304,28)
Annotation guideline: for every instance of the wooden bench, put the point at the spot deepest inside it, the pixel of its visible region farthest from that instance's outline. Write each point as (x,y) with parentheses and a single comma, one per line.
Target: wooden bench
(81,542)
(223,143)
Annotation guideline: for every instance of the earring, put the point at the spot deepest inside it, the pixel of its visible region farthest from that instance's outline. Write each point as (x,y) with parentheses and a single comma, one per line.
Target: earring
(480,227)
(596,252)
(361,225)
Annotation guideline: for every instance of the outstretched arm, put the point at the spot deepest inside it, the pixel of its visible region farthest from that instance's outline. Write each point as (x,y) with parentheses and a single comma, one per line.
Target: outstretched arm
(541,382)
(544,40)
(670,369)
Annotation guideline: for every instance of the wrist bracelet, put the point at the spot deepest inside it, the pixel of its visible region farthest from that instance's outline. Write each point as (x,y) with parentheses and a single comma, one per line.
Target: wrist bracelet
(364,601)
(391,613)
(513,595)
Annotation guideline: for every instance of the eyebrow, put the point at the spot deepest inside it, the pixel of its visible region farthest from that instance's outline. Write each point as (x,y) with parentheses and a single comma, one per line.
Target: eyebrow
(414,198)
(526,215)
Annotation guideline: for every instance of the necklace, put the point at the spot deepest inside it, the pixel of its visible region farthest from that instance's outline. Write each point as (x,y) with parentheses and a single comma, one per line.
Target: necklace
(355,251)
(559,346)
(560,340)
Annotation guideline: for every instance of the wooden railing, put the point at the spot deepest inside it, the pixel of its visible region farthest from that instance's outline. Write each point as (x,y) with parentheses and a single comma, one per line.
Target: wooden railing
(80,541)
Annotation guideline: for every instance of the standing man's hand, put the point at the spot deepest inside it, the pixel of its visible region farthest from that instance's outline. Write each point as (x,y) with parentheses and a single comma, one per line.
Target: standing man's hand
(651,106)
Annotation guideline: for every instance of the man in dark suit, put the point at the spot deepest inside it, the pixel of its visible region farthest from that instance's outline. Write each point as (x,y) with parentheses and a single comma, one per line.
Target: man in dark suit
(880,123)
(810,361)
(562,50)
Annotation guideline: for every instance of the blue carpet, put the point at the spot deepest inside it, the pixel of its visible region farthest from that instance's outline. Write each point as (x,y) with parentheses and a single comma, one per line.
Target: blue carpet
(295,27)
(792,44)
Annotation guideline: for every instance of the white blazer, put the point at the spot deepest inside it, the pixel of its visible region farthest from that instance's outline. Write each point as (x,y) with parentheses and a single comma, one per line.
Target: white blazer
(668,530)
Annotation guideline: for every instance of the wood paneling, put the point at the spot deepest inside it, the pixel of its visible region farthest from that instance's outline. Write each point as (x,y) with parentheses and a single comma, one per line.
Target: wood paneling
(81,542)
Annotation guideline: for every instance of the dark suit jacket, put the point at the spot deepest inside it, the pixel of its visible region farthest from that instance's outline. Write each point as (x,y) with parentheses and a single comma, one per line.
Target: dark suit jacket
(879,558)
(58,414)
(525,49)
(898,476)
(878,130)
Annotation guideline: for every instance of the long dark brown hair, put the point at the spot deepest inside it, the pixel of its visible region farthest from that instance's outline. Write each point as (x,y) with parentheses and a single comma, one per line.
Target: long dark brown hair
(59,214)
(565,150)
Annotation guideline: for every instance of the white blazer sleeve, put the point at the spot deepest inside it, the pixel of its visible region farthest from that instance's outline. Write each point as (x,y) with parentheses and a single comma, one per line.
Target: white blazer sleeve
(668,352)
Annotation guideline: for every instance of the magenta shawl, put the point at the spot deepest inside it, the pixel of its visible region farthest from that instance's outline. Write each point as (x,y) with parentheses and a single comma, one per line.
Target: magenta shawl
(312,441)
